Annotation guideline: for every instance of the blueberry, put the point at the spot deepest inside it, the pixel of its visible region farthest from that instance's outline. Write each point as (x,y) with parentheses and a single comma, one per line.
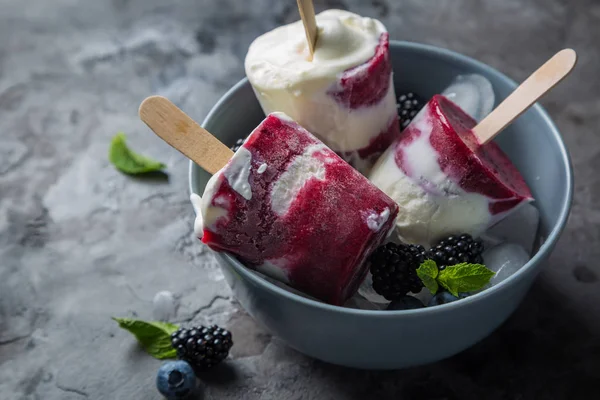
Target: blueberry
(175,380)
(405,303)
(443,298)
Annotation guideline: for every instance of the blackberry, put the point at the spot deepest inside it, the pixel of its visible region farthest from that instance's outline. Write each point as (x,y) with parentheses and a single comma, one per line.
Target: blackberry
(409,104)
(394,269)
(418,252)
(202,347)
(457,249)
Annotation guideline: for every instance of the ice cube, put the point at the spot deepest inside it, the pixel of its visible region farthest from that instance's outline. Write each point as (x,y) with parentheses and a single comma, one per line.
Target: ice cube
(366,290)
(504,259)
(520,227)
(473,93)
(164,306)
(490,241)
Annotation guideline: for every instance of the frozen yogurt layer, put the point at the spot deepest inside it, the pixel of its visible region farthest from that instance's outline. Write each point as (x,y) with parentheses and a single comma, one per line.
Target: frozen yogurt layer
(344,95)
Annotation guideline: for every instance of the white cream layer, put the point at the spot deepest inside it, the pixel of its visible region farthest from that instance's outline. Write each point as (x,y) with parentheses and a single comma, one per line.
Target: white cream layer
(238,171)
(280,59)
(431,205)
(284,80)
(299,171)
(376,220)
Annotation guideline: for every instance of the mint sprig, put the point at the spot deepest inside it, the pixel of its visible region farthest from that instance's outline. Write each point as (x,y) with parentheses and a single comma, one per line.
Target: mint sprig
(155,337)
(428,272)
(128,161)
(463,277)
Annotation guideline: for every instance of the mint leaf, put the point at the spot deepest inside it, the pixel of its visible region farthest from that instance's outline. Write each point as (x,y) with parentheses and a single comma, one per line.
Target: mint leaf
(464,277)
(129,162)
(155,337)
(428,272)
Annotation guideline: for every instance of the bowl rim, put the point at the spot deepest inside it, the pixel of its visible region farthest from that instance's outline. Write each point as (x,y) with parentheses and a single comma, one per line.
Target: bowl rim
(544,250)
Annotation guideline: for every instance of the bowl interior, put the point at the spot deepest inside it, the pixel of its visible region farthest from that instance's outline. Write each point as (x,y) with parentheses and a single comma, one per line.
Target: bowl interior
(532,142)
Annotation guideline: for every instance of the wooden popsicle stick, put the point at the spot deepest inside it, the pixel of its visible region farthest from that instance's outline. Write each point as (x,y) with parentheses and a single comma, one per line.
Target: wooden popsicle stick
(534,87)
(180,131)
(307,13)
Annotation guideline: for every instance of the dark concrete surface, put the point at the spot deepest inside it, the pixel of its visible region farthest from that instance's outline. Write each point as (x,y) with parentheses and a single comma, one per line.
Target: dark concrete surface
(80,242)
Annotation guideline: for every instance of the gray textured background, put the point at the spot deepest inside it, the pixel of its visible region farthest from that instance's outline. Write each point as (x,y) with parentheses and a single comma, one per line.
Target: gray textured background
(80,242)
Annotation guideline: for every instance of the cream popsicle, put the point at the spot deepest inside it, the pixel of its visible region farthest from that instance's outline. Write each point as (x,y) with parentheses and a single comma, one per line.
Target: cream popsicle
(289,207)
(444,181)
(344,95)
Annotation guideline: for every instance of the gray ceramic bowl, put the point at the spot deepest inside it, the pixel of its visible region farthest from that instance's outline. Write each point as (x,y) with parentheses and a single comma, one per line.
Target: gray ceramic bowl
(397,339)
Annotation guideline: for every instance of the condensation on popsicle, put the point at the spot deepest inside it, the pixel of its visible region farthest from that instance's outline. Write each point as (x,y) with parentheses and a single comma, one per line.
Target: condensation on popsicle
(289,207)
(444,181)
(344,95)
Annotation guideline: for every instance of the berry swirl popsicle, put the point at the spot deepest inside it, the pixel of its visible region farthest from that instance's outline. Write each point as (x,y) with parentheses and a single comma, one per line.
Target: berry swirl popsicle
(445,172)
(445,181)
(289,207)
(344,94)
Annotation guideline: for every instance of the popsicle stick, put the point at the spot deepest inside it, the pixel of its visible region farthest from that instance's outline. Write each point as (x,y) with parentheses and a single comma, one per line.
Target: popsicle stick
(184,134)
(534,87)
(307,13)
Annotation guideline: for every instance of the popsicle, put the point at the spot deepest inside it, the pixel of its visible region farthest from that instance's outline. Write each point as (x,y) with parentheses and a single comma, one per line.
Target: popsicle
(286,205)
(443,181)
(343,93)
(446,174)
